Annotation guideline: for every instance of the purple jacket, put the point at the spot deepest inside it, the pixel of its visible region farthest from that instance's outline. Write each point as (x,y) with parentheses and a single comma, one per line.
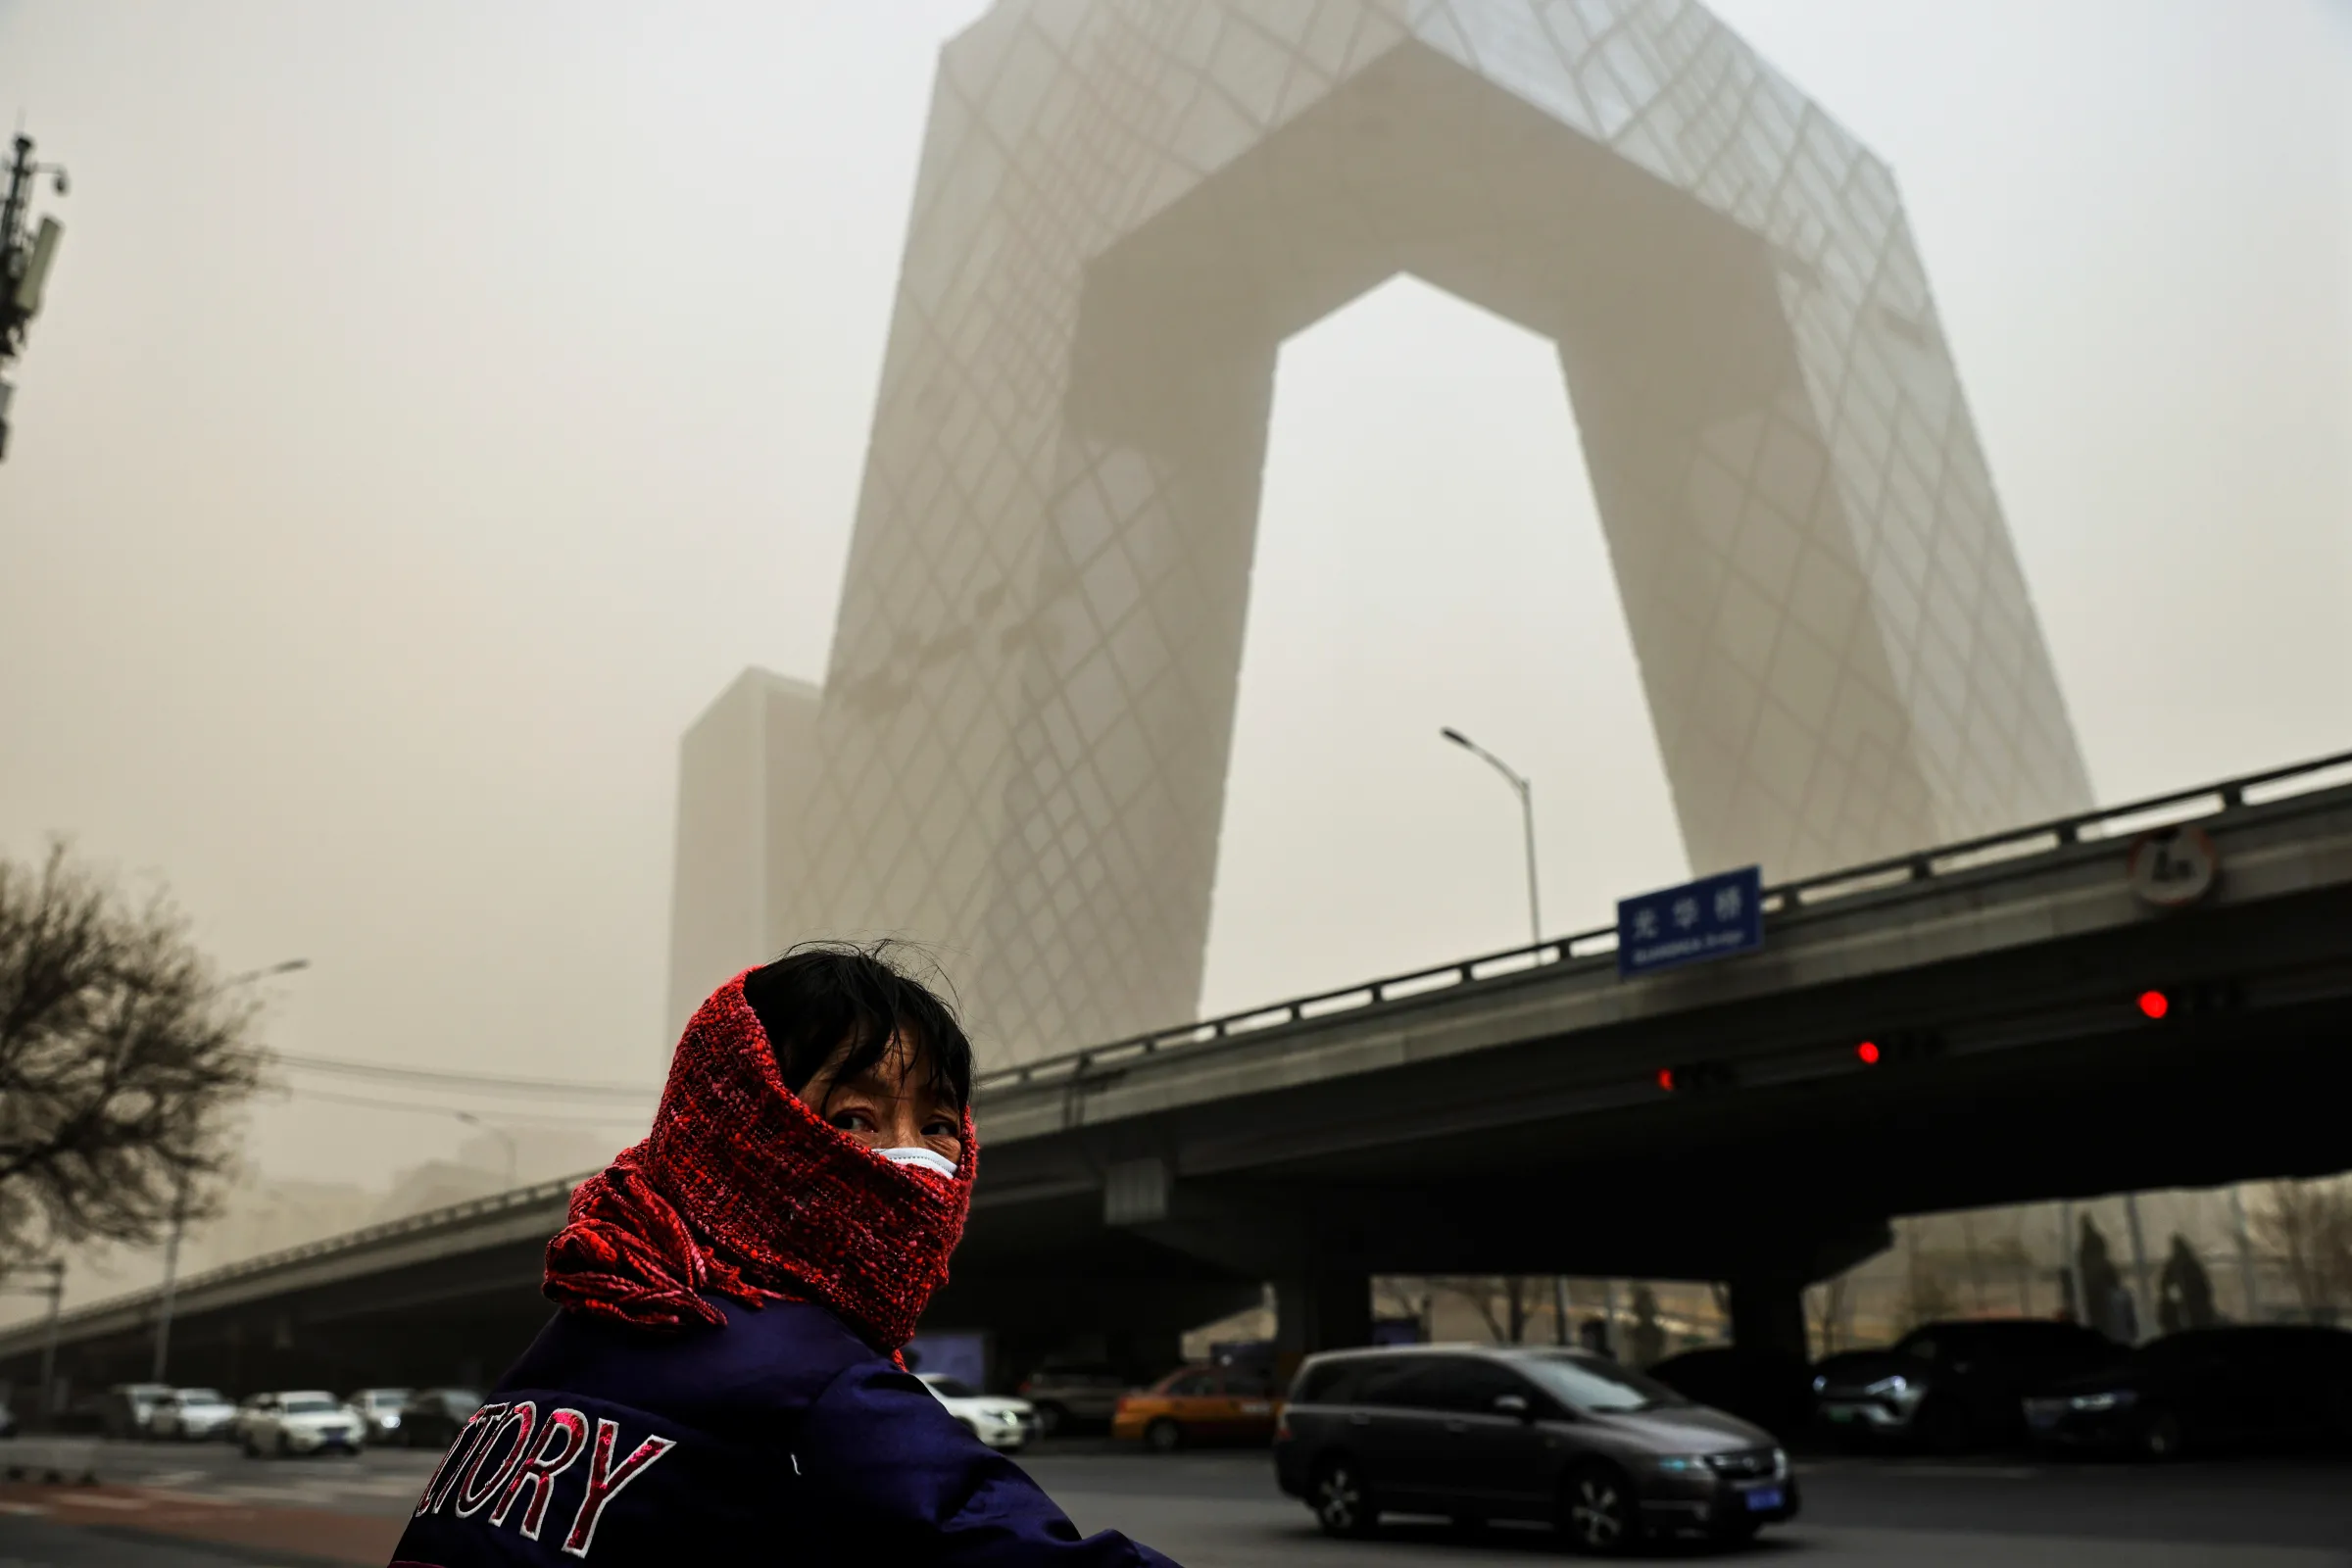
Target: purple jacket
(779,1437)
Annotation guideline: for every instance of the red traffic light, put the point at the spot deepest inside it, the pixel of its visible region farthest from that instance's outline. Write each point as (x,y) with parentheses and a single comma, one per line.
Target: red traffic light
(1666,1079)
(1868,1050)
(2154,1004)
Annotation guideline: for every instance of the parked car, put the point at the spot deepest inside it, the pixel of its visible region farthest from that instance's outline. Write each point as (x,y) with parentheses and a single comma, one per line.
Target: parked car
(1566,1437)
(432,1418)
(1764,1387)
(1197,1405)
(300,1421)
(1952,1386)
(127,1409)
(1001,1423)
(1072,1396)
(379,1410)
(191,1415)
(2247,1385)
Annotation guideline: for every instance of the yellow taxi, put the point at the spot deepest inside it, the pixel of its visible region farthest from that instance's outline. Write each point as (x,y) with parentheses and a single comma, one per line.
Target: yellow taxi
(1199,1404)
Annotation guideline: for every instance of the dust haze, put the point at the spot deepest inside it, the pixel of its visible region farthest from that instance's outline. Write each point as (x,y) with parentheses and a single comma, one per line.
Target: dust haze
(436,405)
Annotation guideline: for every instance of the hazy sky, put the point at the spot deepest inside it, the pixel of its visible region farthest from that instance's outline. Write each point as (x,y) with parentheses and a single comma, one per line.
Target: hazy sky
(438,403)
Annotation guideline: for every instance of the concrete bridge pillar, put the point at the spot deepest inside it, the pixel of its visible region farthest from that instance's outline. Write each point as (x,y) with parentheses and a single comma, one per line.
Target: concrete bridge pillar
(1324,1309)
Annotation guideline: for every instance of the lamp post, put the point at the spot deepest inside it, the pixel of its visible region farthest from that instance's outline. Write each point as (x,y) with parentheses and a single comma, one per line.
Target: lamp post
(1534,935)
(179,1197)
(1527,817)
(55,1290)
(162,1321)
(497,1131)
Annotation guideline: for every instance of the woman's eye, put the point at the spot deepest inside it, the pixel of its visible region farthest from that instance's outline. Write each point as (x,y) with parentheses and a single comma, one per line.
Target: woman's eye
(941,1128)
(853,1121)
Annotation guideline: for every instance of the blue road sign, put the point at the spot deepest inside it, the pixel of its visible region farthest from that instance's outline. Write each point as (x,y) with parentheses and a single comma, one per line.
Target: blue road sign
(1712,917)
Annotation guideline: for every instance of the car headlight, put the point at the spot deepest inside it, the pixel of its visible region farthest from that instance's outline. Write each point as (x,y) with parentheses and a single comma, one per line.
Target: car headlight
(1685,1464)
(1894,1388)
(1779,1464)
(1820,1384)
(390,1418)
(2111,1400)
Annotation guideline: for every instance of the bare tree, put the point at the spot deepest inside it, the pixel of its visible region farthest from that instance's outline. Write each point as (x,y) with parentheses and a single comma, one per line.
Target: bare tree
(119,1061)
(1400,1297)
(1829,1300)
(1506,1302)
(2307,1225)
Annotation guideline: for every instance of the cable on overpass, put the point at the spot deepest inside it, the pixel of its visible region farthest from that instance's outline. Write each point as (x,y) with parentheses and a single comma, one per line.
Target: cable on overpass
(486,1083)
(618,1118)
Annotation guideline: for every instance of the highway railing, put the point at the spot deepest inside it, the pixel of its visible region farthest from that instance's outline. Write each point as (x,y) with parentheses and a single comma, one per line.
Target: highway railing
(2018,844)
(326,1246)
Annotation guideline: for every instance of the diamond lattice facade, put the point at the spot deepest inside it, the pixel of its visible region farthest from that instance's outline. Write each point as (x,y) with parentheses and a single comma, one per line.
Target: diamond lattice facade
(1124,208)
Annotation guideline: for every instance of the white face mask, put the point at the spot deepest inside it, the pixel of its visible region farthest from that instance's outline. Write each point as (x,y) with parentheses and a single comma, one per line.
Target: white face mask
(930,1159)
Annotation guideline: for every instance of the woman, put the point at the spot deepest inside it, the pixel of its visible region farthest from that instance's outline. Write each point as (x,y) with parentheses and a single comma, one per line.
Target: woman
(722,1384)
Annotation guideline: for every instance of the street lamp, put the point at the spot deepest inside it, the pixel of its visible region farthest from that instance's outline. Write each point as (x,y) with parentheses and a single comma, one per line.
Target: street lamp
(1535,937)
(180,1197)
(251,975)
(497,1131)
(55,1290)
(1527,813)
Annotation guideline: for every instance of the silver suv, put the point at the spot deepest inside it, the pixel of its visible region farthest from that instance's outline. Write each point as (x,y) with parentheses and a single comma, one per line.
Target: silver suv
(1508,1433)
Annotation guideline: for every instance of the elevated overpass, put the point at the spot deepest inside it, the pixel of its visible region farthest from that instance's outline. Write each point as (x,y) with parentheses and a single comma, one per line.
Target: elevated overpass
(1528,1111)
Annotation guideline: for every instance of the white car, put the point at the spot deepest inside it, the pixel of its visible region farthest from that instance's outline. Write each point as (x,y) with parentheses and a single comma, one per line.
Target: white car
(379,1410)
(304,1421)
(999,1422)
(191,1415)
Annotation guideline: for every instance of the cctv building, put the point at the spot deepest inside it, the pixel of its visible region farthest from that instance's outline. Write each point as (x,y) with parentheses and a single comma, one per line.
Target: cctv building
(1018,755)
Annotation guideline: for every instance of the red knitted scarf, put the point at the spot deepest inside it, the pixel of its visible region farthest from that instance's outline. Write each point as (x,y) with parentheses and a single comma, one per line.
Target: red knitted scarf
(743,1192)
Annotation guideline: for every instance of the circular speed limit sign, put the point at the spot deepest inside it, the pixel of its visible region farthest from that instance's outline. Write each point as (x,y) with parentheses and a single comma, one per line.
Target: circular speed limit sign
(2173,866)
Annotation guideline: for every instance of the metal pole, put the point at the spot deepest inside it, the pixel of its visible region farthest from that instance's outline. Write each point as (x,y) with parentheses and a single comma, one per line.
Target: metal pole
(499,1133)
(163,1321)
(12,208)
(1609,1317)
(57,1296)
(2071,1255)
(2246,1255)
(1535,906)
(2145,1305)
(1527,814)
(1559,1310)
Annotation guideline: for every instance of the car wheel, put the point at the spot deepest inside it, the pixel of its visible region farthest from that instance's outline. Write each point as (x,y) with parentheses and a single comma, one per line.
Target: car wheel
(1051,1418)
(285,1449)
(253,1450)
(1599,1512)
(2161,1437)
(1343,1505)
(1945,1427)
(1163,1435)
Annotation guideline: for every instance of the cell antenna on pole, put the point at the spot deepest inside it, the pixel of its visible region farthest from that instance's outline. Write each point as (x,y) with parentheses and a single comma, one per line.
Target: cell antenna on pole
(25,260)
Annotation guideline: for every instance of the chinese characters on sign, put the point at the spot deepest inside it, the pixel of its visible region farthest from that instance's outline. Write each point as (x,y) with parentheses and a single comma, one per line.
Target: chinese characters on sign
(1709,918)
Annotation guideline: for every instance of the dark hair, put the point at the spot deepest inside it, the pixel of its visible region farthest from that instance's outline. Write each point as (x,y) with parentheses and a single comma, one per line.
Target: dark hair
(835,1000)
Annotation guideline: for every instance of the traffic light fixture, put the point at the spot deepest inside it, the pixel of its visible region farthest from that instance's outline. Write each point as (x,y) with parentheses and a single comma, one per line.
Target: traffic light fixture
(1898,1045)
(2197,999)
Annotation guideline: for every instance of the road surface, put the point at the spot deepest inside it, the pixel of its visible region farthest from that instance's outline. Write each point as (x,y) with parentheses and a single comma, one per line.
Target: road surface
(161,1506)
